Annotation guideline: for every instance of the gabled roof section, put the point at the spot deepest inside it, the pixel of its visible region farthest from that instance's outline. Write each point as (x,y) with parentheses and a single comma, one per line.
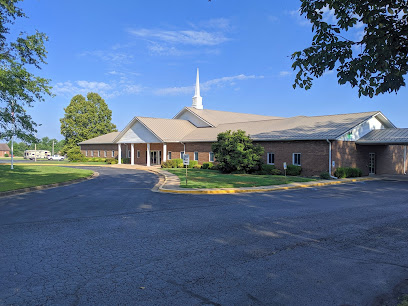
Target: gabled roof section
(166,130)
(295,128)
(385,136)
(104,139)
(4,147)
(215,118)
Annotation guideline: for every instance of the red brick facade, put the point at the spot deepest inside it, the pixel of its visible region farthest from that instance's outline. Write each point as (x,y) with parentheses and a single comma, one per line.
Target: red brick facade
(2,153)
(314,155)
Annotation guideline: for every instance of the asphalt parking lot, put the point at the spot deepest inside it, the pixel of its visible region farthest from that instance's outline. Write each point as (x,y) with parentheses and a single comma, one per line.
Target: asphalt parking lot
(111,240)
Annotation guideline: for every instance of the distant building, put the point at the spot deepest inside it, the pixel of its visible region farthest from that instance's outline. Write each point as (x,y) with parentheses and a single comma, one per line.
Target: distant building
(4,149)
(369,141)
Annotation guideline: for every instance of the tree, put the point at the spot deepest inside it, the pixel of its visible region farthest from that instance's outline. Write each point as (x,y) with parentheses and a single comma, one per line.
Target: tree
(376,62)
(85,119)
(235,152)
(19,87)
(45,143)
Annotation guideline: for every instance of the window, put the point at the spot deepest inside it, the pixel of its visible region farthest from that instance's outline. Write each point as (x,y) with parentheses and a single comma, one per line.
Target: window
(128,153)
(138,154)
(86,153)
(296,159)
(99,153)
(169,155)
(270,158)
(105,154)
(92,153)
(113,153)
(196,155)
(181,154)
(211,156)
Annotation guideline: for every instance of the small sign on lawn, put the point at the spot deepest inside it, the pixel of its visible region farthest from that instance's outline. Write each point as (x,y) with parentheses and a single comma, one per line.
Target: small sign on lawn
(186,159)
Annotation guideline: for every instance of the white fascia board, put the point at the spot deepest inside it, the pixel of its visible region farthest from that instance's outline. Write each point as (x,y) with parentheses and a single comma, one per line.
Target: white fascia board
(128,127)
(191,112)
(385,120)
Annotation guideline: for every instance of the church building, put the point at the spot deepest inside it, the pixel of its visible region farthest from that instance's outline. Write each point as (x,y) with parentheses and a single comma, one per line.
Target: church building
(369,140)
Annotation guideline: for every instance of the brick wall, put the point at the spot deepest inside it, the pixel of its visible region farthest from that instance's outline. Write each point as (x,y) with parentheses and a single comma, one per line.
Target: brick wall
(4,152)
(389,158)
(314,154)
(95,148)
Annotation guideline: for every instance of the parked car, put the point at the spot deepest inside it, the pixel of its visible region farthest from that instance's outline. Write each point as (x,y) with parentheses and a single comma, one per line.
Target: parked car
(56,157)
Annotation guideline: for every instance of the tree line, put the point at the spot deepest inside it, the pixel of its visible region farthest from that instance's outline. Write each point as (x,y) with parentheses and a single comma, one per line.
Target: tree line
(45,143)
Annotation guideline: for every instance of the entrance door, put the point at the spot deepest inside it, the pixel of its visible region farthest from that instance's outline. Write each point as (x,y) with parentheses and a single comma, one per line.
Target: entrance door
(371,163)
(155,157)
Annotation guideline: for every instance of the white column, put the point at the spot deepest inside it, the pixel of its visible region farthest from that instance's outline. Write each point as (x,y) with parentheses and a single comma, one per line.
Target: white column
(132,154)
(164,152)
(148,155)
(119,154)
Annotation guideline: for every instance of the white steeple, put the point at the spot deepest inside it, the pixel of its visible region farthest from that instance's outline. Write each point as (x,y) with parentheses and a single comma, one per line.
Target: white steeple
(197,99)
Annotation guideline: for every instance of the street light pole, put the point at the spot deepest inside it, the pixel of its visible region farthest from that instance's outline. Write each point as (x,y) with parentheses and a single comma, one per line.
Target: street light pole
(12,135)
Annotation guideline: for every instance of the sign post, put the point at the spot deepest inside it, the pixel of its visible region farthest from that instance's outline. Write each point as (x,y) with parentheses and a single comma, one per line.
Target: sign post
(285,167)
(186,162)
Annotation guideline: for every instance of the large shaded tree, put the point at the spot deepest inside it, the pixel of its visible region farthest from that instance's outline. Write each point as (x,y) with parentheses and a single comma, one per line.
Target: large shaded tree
(375,62)
(85,118)
(19,87)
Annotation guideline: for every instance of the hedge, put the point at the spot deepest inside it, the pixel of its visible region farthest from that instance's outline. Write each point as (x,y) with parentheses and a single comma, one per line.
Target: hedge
(343,172)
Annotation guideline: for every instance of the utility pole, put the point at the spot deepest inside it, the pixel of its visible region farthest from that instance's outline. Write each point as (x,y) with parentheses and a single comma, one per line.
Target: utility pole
(35,152)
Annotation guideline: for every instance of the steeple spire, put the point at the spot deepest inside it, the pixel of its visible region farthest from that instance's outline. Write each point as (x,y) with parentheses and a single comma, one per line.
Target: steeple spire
(197,99)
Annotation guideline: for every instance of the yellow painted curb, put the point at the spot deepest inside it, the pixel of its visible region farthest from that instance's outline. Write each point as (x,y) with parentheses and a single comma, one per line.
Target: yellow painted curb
(261,189)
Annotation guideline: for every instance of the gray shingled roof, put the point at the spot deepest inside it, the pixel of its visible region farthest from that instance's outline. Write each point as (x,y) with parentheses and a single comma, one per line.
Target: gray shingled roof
(4,147)
(295,128)
(104,139)
(216,118)
(385,136)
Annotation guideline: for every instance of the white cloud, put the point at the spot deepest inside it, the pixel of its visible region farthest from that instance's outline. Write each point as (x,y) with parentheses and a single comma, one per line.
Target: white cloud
(112,57)
(301,20)
(186,37)
(284,73)
(105,90)
(206,86)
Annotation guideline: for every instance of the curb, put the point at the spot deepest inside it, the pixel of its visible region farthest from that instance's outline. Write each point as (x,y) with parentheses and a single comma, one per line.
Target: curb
(48,186)
(261,189)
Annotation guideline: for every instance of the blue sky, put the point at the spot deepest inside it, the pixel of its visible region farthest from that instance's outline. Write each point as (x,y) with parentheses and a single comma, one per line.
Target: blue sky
(141,57)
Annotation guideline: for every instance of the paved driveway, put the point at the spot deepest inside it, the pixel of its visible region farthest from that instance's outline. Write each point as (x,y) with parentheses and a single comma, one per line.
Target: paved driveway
(113,241)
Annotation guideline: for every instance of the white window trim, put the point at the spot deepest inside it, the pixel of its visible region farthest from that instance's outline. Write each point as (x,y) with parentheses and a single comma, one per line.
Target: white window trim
(128,155)
(267,158)
(293,159)
(113,153)
(86,153)
(92,153)
(195,155)
(209,157)
(105,153)
(99,153)
(169,155)
(181,154)
(138,154)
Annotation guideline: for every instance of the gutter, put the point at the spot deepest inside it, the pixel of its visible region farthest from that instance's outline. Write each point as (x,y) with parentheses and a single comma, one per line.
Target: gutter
(405,160)
(330,159)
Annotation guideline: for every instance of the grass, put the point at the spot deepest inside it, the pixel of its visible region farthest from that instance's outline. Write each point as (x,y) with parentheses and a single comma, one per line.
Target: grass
(200,178)
(57,162)
(28,176)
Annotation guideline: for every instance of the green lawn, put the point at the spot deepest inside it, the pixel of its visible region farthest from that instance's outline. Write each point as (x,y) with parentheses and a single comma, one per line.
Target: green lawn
(29,176)
(199,178)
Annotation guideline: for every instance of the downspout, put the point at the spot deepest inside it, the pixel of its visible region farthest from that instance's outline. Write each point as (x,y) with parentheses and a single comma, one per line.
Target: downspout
(330,159)
(405,160)
(184,147)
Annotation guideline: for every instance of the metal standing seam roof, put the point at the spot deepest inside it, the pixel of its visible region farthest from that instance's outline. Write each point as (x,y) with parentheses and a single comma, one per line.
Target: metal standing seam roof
(168,130)
(385,136)
(4,147)
(216,118)
(296,128)
(104,139)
